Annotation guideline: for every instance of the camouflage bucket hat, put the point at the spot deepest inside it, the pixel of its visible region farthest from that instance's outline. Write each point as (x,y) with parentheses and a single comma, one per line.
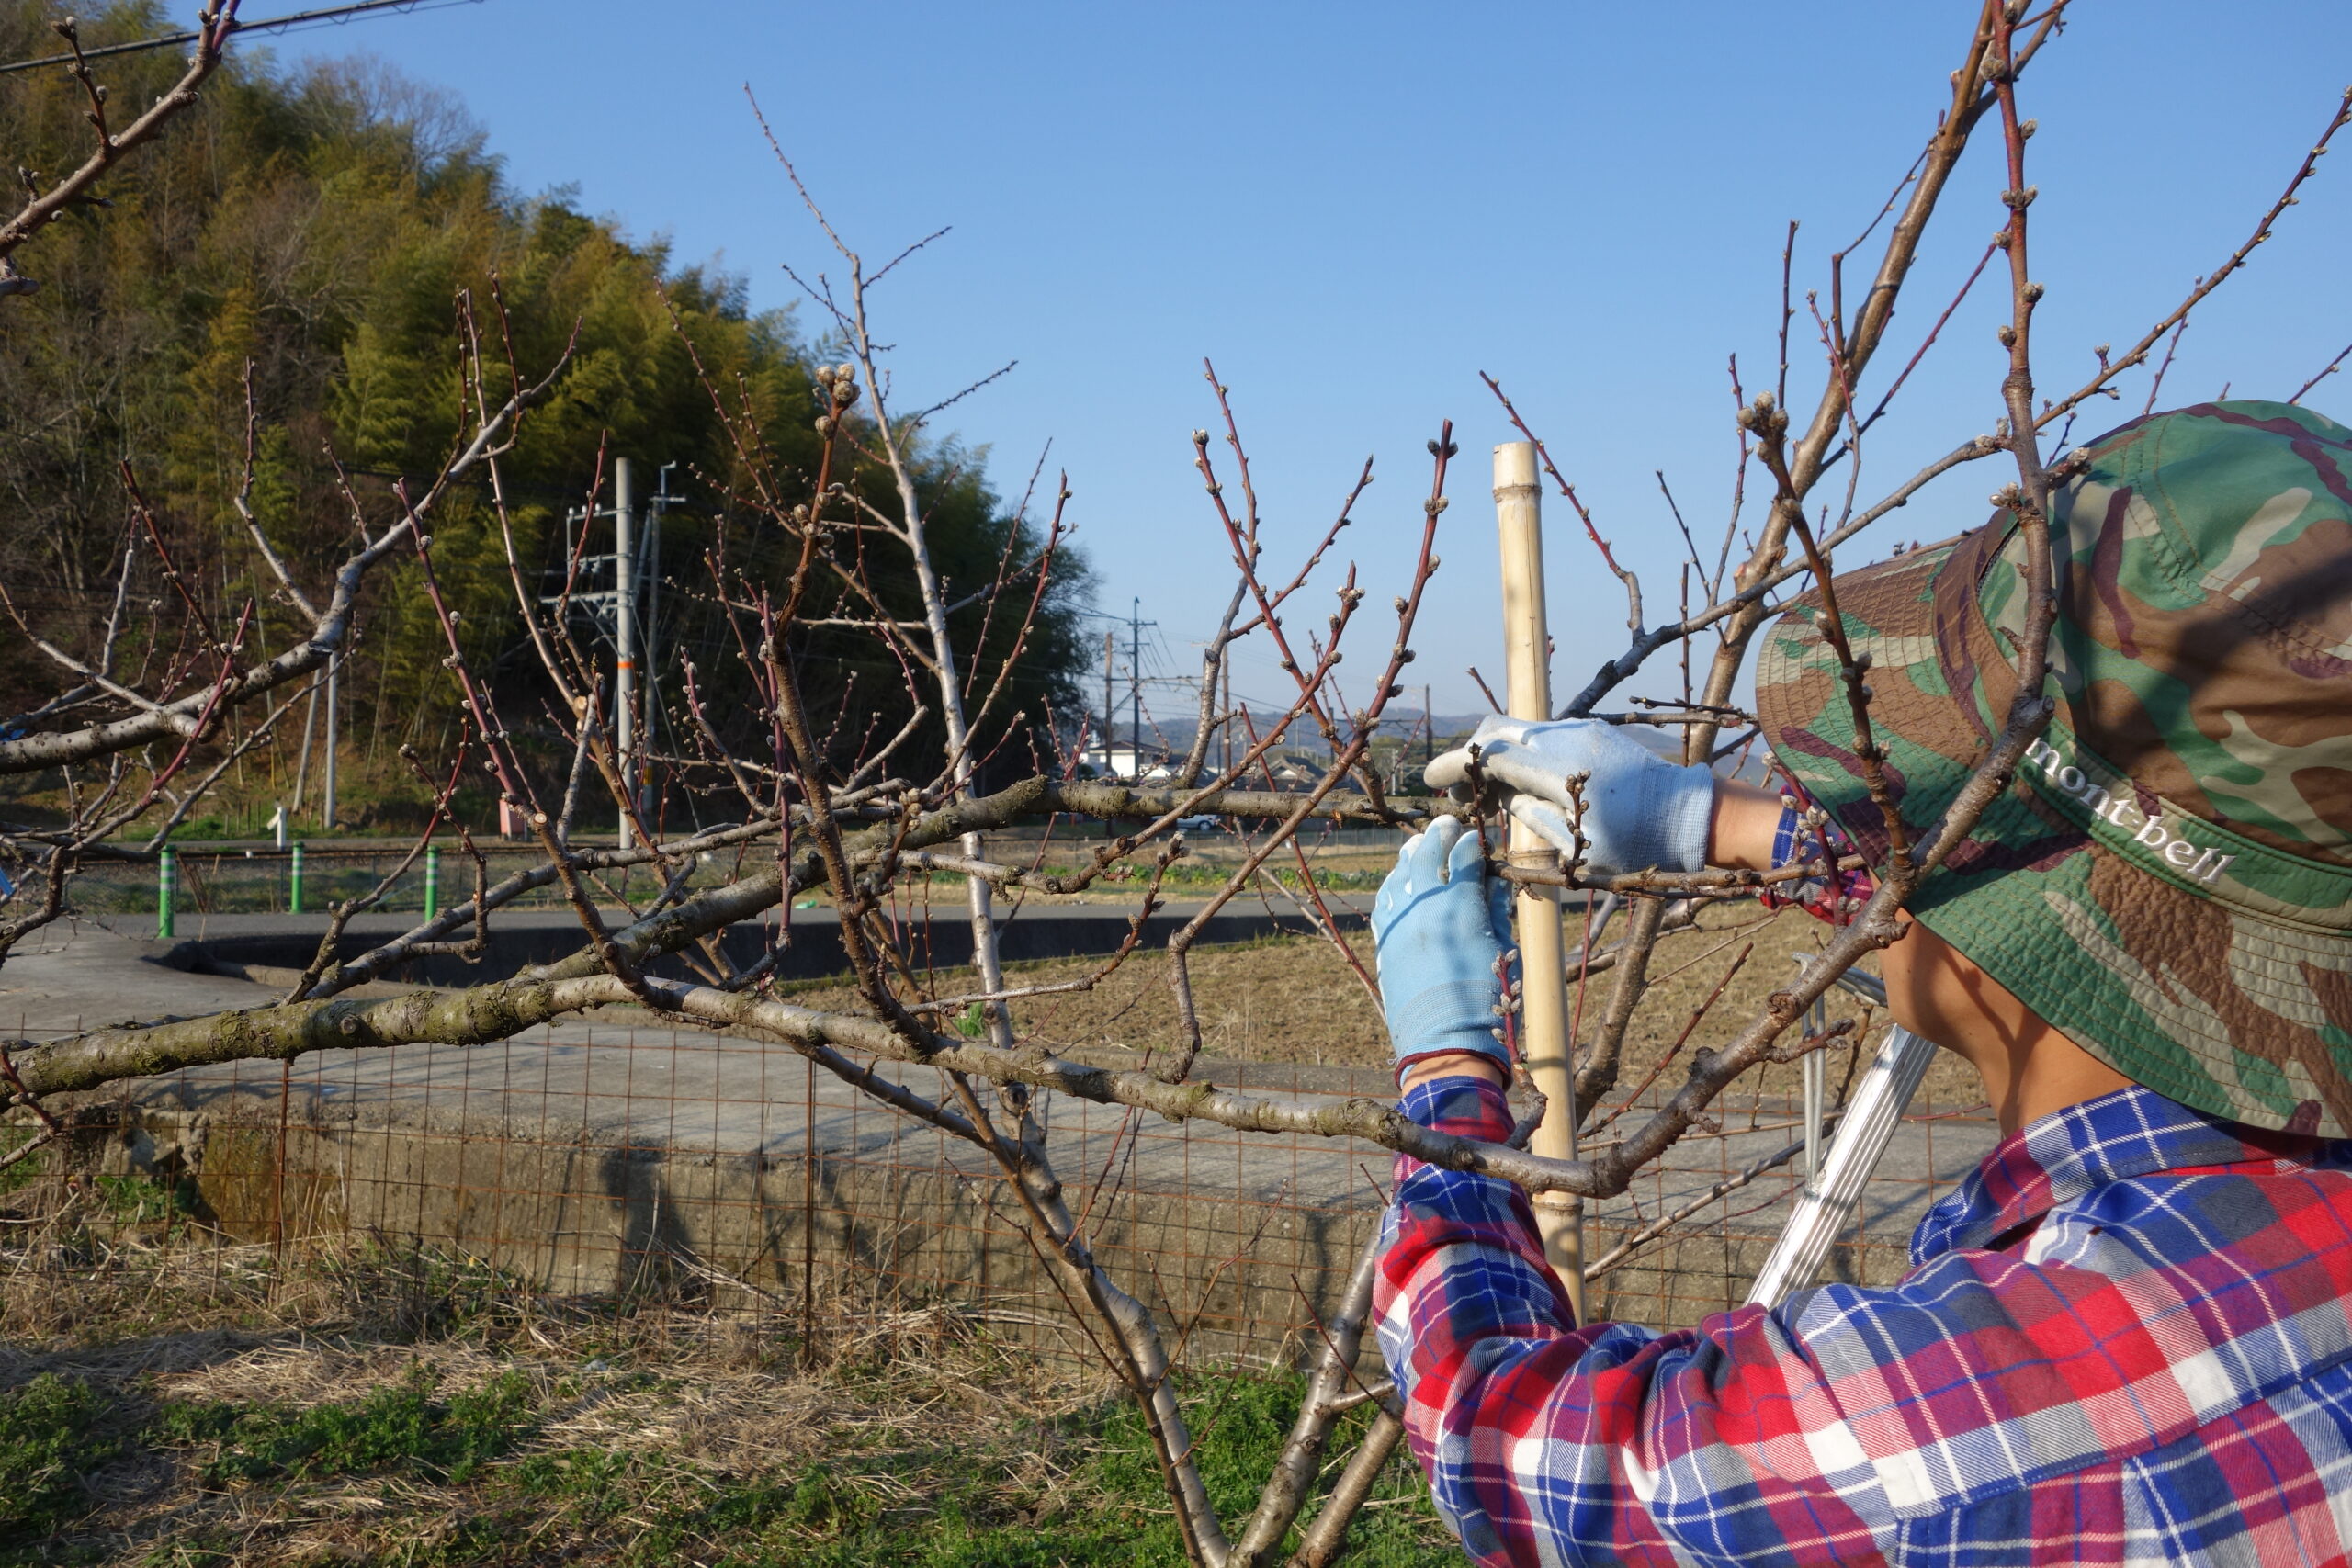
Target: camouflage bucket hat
(2168,880)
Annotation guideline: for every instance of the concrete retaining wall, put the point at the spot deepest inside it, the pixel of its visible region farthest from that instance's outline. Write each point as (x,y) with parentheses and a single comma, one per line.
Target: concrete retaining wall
(1234,1276)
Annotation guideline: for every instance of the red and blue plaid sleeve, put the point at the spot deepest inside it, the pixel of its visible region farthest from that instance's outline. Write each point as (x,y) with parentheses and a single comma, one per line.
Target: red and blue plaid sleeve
(1546,1442)
(2156,1369)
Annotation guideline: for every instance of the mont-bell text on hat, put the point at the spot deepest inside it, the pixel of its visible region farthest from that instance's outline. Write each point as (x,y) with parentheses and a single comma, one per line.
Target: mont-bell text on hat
(2108,806)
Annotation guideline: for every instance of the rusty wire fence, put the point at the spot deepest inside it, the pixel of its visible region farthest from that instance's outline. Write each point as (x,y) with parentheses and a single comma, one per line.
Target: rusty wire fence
(615,1160)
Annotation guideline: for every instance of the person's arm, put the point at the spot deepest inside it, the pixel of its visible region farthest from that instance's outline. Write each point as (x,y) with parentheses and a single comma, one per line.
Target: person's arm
(1546,1442)
(1740,829)
(1594,791)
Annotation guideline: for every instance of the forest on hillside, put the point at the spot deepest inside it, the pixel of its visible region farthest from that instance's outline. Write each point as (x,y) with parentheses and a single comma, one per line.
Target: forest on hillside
(273,295)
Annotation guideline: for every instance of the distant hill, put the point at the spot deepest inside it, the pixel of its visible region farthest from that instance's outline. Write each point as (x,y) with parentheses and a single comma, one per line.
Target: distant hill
(303,236)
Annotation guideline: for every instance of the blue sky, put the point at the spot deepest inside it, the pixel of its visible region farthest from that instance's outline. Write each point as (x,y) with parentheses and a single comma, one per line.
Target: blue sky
(1354,209)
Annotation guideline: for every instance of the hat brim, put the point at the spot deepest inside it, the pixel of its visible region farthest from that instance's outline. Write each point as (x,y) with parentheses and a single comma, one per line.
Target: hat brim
(2201,999)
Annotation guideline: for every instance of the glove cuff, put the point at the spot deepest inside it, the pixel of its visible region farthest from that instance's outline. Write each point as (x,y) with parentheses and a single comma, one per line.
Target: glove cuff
(1456,1016)
(1676,819)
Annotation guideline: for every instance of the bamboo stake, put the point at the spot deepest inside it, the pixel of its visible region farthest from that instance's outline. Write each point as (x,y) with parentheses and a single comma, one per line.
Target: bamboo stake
(1544,1006)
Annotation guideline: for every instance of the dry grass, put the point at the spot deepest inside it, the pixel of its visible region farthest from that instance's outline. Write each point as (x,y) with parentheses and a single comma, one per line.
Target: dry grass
(168,1399)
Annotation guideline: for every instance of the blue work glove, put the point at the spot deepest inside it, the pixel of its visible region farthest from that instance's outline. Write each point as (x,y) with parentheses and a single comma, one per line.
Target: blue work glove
(1442,925)
(1640,810)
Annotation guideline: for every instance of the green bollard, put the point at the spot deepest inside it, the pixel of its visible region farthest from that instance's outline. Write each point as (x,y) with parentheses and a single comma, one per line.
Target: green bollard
(294,880)
(167,886)
(432,880)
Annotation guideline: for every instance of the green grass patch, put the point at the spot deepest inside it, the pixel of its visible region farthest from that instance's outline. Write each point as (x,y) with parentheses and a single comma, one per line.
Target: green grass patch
(25,1172)
(1238,1423)
(952,1506)
(402,1426)
(142,1199)
(949,1494)
(52,1434)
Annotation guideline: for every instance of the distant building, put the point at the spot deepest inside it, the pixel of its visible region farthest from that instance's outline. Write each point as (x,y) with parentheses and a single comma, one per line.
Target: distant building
(1304,769)
(1122,760)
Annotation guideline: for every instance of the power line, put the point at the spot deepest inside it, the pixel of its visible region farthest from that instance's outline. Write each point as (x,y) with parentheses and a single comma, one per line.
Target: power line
(269,25)
(1134,623)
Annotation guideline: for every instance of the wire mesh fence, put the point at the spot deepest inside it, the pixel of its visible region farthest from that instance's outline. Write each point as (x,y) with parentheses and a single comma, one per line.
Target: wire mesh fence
(616,1160)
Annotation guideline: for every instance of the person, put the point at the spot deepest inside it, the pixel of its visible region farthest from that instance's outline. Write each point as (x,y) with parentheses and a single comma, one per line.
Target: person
(2127,1336)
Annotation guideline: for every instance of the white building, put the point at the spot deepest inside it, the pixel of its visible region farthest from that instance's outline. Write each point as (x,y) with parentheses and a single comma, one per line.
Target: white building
(1122,760)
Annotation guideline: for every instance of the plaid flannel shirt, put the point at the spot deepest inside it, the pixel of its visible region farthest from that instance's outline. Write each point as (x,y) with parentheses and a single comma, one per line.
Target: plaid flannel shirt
(2126,1338)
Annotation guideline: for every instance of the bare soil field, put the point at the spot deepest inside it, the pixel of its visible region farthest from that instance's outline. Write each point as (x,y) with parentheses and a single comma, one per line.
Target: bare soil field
(1296,1000)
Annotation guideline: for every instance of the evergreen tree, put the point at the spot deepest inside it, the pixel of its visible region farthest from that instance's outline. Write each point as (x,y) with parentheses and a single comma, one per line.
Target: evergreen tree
(310,233)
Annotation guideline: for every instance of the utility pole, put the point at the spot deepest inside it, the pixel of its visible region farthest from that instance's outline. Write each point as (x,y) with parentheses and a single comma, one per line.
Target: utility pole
(1134,622)
(1429,729)
(309,739)
(1110,642)
(626,613)
(623,633)
(326,778)
(1224,729)
(1134,684)
(650,628)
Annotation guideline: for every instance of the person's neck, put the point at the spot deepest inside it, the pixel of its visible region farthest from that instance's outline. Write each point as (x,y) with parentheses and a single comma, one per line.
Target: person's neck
(2030,1070)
